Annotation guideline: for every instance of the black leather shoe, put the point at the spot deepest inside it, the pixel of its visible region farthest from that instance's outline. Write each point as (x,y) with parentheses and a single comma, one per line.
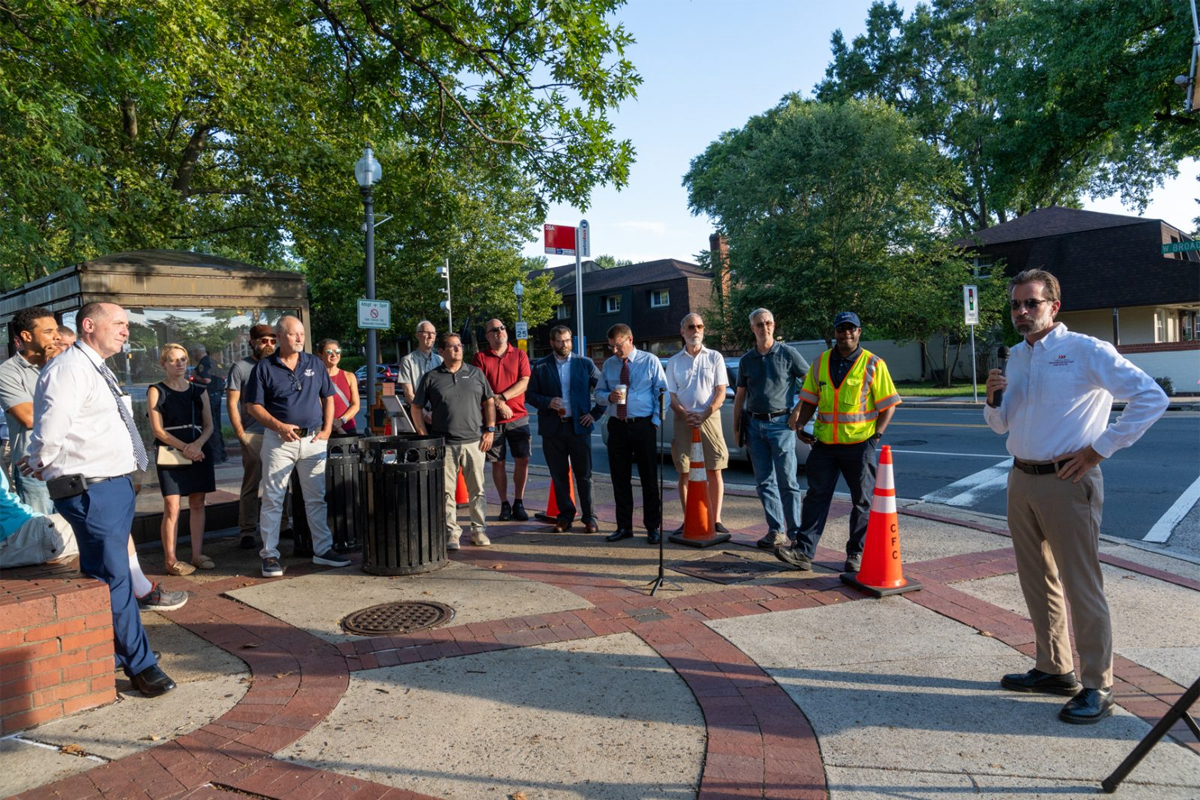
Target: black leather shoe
(793,556)
(248,542)
(853,564)
(153,682)
(1087,707)
(1042,682)
(653,536)
(618,535)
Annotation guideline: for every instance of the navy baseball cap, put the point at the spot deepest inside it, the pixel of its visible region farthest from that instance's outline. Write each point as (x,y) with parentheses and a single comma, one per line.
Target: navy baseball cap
(847,316)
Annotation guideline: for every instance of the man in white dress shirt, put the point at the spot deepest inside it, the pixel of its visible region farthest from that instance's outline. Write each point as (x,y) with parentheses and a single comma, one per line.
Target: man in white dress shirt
(1057,394)
(697,380)
(85,446)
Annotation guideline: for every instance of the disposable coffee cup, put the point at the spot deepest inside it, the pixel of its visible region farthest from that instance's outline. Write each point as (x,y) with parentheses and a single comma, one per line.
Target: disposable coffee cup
(623,391)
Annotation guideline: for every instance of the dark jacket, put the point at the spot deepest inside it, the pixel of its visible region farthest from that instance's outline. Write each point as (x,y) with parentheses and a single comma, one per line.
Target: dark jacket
(544,386)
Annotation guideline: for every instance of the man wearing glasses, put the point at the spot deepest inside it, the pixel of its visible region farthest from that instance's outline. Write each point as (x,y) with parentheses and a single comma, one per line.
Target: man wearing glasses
(414,365)
(767,376)
(852,394)
(460,402)
(697,380)
(1054,402)
(561,389)
(290,394)
(631,385)
(249,431)
(507,371)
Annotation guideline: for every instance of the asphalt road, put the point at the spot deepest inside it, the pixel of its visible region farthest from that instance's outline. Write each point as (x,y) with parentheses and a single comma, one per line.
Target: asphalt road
(950,456)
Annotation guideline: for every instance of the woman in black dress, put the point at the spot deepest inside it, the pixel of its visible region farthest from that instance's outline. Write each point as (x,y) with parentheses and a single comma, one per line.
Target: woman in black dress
(180,418)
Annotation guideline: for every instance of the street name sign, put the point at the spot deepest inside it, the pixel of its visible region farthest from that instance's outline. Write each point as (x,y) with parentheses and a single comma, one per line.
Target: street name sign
(1180,247)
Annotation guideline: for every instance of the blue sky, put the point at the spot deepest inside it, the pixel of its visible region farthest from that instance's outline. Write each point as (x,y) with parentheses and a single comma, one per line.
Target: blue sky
(707,67)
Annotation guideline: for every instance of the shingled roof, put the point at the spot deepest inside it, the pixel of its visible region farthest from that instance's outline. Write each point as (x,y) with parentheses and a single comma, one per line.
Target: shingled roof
(1051,221)
(596,279)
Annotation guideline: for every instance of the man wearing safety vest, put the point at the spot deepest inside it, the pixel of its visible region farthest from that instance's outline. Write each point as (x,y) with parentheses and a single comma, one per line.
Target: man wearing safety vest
(852,394)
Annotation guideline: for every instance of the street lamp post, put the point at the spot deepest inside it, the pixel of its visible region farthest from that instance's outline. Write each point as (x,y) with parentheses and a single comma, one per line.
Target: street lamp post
(519,291)
(368,172)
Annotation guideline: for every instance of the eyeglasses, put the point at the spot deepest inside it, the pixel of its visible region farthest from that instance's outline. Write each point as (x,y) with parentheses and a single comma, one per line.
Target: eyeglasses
(1031,305)
(295,381)
(497,329)
(333,352)
(426,333)
(846,326)
(695,327)
(453,347)
(270,339)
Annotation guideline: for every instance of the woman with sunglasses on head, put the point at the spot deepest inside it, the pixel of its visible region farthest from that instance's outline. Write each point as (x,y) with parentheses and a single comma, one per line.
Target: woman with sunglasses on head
(182,424)
(345,389)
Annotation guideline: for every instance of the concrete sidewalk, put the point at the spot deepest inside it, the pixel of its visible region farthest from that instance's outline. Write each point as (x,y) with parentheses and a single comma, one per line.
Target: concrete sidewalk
(559,677)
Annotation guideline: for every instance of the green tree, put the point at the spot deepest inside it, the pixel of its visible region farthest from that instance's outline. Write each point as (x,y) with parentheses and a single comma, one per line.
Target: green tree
(1036,101)
(611,262)
(231,126)
(824,205)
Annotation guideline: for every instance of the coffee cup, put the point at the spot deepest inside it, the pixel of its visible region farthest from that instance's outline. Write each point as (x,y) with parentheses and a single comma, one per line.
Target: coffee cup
(622,390)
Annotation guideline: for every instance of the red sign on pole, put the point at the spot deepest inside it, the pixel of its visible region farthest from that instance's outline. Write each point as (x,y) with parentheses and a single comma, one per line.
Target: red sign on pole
(560,240)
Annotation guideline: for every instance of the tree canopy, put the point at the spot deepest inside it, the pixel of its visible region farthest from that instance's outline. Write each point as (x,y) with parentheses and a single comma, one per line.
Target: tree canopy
(232,126)
(1037,101)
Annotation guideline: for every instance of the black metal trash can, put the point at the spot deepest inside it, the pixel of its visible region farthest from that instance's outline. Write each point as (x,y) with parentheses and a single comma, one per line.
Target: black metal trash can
(402,493)
(344,512)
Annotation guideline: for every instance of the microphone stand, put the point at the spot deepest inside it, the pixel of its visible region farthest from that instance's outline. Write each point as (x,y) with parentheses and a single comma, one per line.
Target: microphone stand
(661,581)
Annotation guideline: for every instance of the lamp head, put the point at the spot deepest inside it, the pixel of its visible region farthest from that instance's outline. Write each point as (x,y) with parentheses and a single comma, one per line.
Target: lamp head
(519,290)
(367,170)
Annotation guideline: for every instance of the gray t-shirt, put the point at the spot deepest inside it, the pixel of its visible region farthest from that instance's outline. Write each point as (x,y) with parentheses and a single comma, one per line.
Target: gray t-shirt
(18,380)
(414,366)
(456,400)
(239,376)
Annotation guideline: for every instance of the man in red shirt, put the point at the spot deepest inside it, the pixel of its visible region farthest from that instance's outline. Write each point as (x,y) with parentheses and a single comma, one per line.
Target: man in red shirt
(507,371)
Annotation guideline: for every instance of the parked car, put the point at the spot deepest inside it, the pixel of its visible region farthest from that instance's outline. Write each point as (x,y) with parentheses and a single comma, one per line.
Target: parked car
(384,373)
(736,452)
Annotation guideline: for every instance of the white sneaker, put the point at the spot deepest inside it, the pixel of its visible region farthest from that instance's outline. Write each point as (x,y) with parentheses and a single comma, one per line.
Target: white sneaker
(452,543)
(480,539)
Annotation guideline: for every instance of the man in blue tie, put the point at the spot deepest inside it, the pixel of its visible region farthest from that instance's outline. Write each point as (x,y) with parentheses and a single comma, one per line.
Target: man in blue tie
(560,388)
(632,384)
(85,446)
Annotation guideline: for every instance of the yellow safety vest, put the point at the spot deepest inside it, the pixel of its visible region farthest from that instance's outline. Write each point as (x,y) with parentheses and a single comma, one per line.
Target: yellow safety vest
(846,414)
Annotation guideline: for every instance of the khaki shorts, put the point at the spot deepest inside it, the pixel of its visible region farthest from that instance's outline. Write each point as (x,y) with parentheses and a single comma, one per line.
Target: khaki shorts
(716,454)
(41,540)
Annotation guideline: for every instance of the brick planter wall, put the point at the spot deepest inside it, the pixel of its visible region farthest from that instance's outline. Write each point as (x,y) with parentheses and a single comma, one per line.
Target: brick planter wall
(56,645)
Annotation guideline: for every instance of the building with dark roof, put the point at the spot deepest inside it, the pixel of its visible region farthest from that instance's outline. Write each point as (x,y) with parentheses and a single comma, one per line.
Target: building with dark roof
(651,298)
(1117,284)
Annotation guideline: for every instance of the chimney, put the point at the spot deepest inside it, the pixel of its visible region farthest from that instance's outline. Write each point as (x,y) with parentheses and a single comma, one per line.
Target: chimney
(718,246)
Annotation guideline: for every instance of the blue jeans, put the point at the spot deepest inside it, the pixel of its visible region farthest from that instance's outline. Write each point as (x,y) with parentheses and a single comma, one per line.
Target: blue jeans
(772,446)
(32,492)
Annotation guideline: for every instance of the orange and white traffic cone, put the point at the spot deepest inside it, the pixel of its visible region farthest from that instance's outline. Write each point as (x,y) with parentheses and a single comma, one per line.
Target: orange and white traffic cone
(699,521)
(552,512)
(882,571)
(461,496)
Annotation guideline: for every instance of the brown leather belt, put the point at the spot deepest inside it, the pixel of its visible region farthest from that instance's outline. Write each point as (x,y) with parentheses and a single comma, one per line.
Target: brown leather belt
(1038,469)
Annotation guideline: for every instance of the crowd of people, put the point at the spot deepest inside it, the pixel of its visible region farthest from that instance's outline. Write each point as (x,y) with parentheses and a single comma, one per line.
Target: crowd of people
(66,412)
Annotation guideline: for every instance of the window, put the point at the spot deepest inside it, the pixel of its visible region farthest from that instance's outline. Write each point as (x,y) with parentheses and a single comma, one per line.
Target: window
(562,312)
(612,304)
(660,298)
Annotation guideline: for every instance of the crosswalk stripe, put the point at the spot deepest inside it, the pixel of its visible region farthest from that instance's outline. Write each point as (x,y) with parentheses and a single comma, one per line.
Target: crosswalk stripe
(1162,529)
(973,488)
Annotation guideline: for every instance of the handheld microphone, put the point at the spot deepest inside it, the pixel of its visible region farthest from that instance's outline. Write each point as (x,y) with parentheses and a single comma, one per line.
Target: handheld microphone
(1002,361)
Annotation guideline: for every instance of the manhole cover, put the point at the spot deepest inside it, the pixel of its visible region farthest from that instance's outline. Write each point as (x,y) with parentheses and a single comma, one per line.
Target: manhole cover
(726,568)
(389,618)
(909,443)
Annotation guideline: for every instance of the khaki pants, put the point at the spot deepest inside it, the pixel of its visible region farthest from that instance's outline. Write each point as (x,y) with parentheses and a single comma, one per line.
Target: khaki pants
(248,502)
(712,440)
(468,456)
(1055,526)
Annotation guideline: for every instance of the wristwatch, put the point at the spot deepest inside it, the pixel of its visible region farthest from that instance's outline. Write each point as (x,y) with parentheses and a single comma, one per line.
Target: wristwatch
(489,429)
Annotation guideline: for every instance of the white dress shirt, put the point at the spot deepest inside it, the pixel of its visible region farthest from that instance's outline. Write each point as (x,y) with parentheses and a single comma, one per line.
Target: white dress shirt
(1060,395)
(692,378)
(77,427)
(564,378)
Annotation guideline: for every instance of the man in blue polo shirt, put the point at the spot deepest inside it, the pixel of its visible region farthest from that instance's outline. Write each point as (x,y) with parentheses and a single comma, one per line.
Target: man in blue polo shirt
(291,395)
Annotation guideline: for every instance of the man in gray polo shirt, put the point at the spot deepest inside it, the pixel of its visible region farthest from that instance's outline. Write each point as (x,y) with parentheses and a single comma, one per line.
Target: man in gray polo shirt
(455,393)
(414,365)
(36,333)
(768,376)
(249,432)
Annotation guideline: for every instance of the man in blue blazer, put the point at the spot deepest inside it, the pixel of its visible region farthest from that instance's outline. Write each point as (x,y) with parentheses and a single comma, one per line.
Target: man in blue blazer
(565,423)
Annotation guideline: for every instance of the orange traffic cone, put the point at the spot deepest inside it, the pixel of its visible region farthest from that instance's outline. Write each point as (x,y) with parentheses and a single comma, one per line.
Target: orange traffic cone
(698,519)
(461,496)
(552,511)
(881,573)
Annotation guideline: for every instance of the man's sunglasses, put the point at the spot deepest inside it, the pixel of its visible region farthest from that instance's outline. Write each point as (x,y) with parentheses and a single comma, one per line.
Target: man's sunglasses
(1031,305)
